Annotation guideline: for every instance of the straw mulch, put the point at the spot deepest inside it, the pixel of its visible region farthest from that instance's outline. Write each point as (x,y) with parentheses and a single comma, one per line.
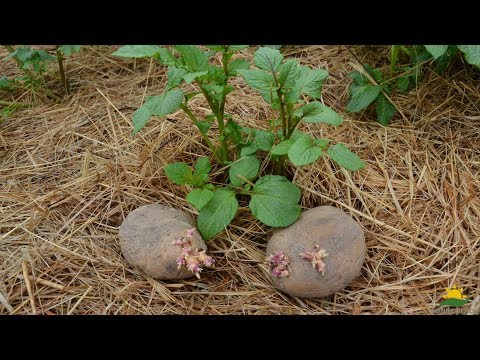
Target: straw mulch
(71,171)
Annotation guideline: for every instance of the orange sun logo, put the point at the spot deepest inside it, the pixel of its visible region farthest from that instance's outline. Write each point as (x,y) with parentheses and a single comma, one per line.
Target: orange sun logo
(454,297)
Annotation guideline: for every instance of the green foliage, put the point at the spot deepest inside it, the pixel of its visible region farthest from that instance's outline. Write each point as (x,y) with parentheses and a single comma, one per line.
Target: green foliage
(304,151)
(138,51)
(385,109)
(217,213)
(68,50)
(282,147)
(442,53)
(179,173)
(259,140)
(175,77)
(34,63)
(403,82)
(262,82)
(268,59)
(275,201)
(256,140)
(309,82)
(446,53)
(6,112)
(194,59)
(364,93)
(288,74)
(472,53)
(202,170)
(316,112)
(159,105)
(31,59)
(286,86)
(436,50)
(199,198)
(362,97)
(313,81)
(5,83)
(203,166)
(345,158)
(442,63)
(235,65)
(247,167)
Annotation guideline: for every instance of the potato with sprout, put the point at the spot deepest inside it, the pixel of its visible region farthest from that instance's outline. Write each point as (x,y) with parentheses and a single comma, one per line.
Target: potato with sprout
(318,255)
(163,243)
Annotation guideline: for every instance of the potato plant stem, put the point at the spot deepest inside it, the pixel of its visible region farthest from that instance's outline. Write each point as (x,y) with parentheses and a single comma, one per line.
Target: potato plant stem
(282,111)
(394,50)
(62,70)
(223,150)
(285,123)
(282,115)
(204,136)
(225,71)
(221,111)
(281,165)
(292,128)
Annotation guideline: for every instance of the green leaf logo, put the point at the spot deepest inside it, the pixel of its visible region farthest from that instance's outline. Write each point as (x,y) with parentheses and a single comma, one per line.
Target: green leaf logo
(454,302)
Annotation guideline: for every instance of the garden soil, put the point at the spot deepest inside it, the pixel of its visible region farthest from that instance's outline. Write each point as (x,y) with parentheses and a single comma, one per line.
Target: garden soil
(71,171)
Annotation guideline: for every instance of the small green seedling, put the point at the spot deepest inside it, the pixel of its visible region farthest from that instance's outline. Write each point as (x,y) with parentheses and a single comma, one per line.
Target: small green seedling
(33,63)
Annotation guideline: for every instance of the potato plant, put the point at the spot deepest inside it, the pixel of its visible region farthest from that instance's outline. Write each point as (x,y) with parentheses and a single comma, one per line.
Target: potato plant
(33,63)
(364,93)
(293,92)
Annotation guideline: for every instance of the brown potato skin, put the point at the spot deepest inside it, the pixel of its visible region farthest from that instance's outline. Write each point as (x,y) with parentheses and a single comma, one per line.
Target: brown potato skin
(331,229)
(145,240)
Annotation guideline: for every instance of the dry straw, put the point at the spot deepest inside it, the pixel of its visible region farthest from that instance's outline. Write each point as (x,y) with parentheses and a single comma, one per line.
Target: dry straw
(71,171)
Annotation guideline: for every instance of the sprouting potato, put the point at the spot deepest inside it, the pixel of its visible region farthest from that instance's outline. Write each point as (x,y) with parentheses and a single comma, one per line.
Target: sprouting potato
(318,255)
(147,239)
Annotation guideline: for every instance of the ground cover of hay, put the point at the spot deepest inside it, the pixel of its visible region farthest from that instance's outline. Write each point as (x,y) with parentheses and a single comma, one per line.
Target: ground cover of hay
(70,172)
